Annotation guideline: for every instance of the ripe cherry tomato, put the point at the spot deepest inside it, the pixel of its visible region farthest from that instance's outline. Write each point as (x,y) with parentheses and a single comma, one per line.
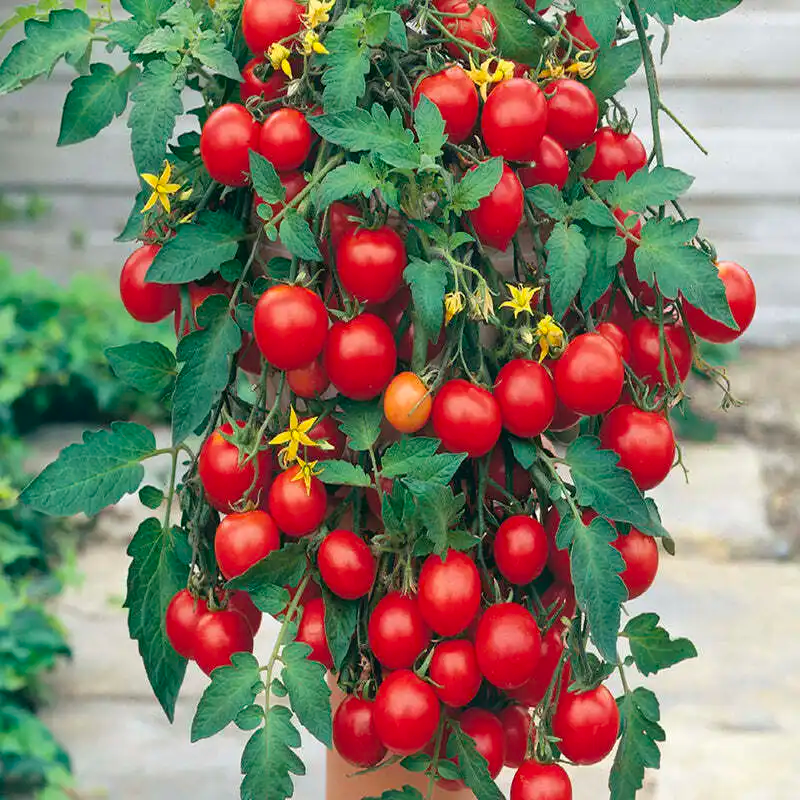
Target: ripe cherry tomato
(741,294)
(340,222)
(614,307)
(309,381)
(580,32)
(532,692)
(589,375)
(242,540)
(296,511)
(241,603)
(267,21)
(527,398)
(260,80)
(454,670)
(617,337)
(514,120)
(535,781)
(564,418)
(397,632)
(346,564)
(226,478)
(572,112)
(499,214)
(406,712)
(559,598)
(407,403)
(328,431)
(454,94)
(518,486)
(641,561)
(644,442)
(285,139)
(395,314)
(370,263)
(478,27)
(449,592)
(311,631)
(466,418)
(227,137)
(587,725)
(551,166)
(645,356)
(520,549)
(360,356)
(220,634)
(516,722)
(354,735)
(144,301)
(615,153)
(183,614)
(197,296)
(508,645)
(486,730)
(290,325)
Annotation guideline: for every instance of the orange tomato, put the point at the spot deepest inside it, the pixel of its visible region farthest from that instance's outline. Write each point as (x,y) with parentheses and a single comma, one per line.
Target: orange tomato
(407,403)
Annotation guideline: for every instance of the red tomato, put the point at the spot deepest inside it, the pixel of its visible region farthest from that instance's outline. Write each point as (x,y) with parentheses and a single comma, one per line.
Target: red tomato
(397,632)
(325,430)
(640,553)
(516,722)
(285,139)
(309,381)
(228,481)
(520,484)
(644,442)
(269,86)
(449,592)
(354,735)
(340,222)
(183,614)
(559,598)
(241,603)
(564,418)
(454,671)
(535,781)
(144,301)
(508,644)
(466,418)
(527,398)
(267,21)
(551,166)
(394,312)
(220,634)
(454,94)
(290,325)
(619,311)
(407,403)
(197,296)
(572,112)
(293,182)
(242,540)
(499,214)
(741,294)
(645,357)
(312,632)
(478,27)
(406,712)
(532,692)
(370,263)
(346,564)
(579,30)
(617,337)
(589,375)
(514,120)
(520,549)
(587,725)
(296,511)
(615,153)
(486,730)
(227,137)
(360,356)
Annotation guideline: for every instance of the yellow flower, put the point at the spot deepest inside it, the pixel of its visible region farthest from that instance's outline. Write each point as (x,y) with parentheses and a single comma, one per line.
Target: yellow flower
(312,44)
(161,187)
(481,76)
(481,303)
(585,64)
(504,71)
(550,336)
(307,470)
(521,297)
(296,435)
(555,69)
(453,304)
(317,13)
(278,56)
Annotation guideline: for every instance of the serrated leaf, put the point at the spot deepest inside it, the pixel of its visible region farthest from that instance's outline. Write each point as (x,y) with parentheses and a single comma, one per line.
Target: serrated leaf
(361,423)
(704,9)
(162,40)
(438,509)
(147,11)
(346,64)
(266,181)
(517,39)
(341,618)
(146,366)
(376,28)
(428,282)
(592,211)
(476,184)
(651,646)
(125,33)
(549,200)
(403,456)
(216,57)
(472,765)
(353,178)
(645,188)
(567,256)
(663,9)
(429,125)
(615,66)
(600,269)
(270,599)
(308,692)
(284,567)
(88,477)
(343,473)
(297,237)
(601,17)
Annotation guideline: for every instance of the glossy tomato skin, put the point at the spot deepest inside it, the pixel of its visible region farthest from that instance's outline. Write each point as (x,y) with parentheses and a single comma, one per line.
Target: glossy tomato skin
(478,27)
(499,214)
(397,631)
(183,614)
(587,725)
(617,337)
(486,731)
(454,94)
(520,484)
(354,735)
(269,88)
(370,263)
(589,375)
(296,511)
(227,137)
(527,397)
(267,21)
(328,431)
(312,632)
(535,781)
(645,355)
(346,564)
(340,222)
(285,139)
(514,120)
(454,670)
(516,721)
(640,553)
(220,634)
(242,539)
(532,692)
(520,549)
(241,603)
(551,166)
(406,712)
(508,644)
(466,418)
(407,403)
(449,592)
(360,356)
(741,294)
(144,301)
(309,381)
(644,442)
(572,112)
(615,153)
(580,32)
(290,325)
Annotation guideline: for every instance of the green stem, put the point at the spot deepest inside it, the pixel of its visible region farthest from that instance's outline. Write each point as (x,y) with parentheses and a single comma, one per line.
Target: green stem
(652,79)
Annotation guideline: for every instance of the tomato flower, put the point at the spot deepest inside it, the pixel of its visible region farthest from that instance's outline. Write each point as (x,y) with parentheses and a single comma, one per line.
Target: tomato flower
(161,187)
(312,44)
(521,297)
(296,435)
(453,304)
(317,13)
(481,303)
(278,56)
(483,76)
(584,65)
(306,472)
(550,335)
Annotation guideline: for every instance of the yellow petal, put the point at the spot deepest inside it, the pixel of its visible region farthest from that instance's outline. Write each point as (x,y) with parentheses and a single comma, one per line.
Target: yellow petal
(165,202)
(170,188)
(150,180)
(306,425)
(165,175)
(318,47)
(282,438)
(152,200)
(292,418)
(287,68)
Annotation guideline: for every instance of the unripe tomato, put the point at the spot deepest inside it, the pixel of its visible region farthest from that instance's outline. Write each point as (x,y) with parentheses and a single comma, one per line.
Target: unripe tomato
(532,692)
(516,722)
(144,301)
(296,510)
(325,430)
(449,592)
(406,712)
(242,540)
(499,214)
(269,87)
(514,120)
(370,263)
(535,781)
(454,94)
(580,32)
(183,613)
(526,395)
(617,337)
(640,553)
(354,735)
(520,549)
(645,356)
(478,27)
(311,631)
(508,645)
(407,403)
(265,22)
(346,564)
(587,725)
(220,634)
(589,375)
(309,381)
(466,418)
(455,673)
(572,112)
(551,166)
(615,153)
(397,632)
(227,137)
(486,731)
(285,139)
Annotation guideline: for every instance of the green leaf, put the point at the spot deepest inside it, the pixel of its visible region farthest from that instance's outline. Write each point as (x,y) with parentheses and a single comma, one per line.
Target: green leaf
(266,181)
(601,17)
(517,39)
(549,200)
(269,599)
(645,188)
(249,718)
(361,423)
(397,32)
(151,496)
(651,646)
(232,689)
(406,793)
(197,249)
(156,106)
(125,33)
(524,451)
(155,574)
(162,40)
(343,473)
(206,356)
(405,455)
(429,126)
(146,366)
(65,33)
(704,9)
(428,282)
(600,270)
(346,64)
(308,692)
(567,256)
(341,618)
(438,509)
(284,567)
(147,11)
(376,28)
(663,9)
(615,66)
(214,56)
(472,765)
(88,477)
(476,184)
(297,237)
(592,211)
(269,760)
(353,178)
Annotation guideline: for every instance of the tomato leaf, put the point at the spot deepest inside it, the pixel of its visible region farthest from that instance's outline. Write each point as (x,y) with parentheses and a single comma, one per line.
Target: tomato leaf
(429,126)
(155,574)
(524,451)
(346,64)
(146,366)
(645,188)
(343,473)
(361,423)
(88,477)
(376,28)
(567,256)
(593,212)
(354,178)
(615,65)
(417,458)
(308,692)
(704,9)
(297,237)
(162,40)
(341,618)
(428,282)
(406,793)
(549,200)
(249,718)
(213,55)
(601,17)
(232,689)
(266,181)
(476,184)
(438,509)
(472,765)
(517,39)
(651,646)
(284,567)
(151,496)
(397,35)
(147,11)
(600,268)
(125,34)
